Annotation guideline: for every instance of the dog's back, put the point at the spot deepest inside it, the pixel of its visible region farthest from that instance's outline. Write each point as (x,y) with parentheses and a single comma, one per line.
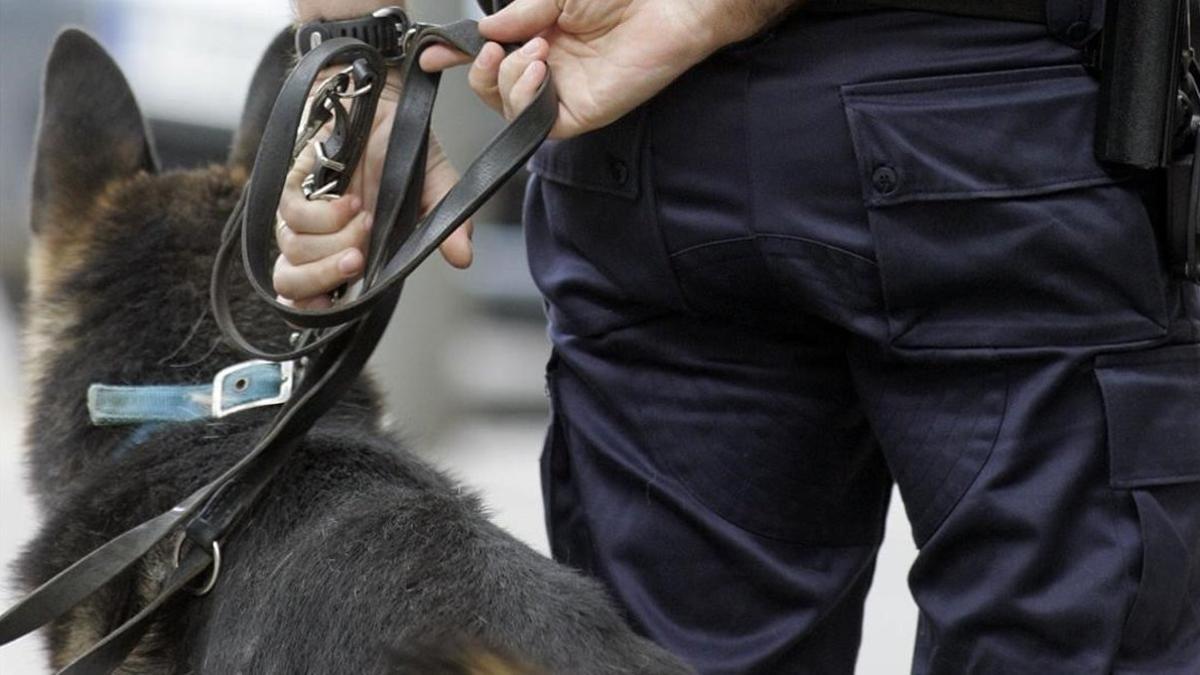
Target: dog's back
(359,558)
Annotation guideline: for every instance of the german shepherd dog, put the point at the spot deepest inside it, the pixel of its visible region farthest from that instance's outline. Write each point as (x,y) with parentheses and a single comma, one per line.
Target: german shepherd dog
(359,558)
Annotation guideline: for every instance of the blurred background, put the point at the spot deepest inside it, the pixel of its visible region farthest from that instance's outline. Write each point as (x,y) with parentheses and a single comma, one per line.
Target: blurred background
(462,363)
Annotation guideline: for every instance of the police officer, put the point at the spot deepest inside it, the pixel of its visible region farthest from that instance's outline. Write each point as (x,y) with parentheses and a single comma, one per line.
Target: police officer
(791,255)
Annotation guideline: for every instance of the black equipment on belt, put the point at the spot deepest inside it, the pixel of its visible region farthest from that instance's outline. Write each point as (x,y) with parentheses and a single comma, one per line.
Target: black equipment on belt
(1150,109)
(336,342)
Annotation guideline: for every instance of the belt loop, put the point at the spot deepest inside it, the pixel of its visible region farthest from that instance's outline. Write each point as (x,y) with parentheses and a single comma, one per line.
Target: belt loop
(1074,22)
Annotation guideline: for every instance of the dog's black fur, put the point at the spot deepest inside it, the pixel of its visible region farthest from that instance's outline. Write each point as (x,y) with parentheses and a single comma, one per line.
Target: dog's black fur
(357,553)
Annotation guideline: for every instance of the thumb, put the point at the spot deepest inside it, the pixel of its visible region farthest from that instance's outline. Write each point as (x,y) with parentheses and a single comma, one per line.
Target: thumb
(520,21)
(440,177)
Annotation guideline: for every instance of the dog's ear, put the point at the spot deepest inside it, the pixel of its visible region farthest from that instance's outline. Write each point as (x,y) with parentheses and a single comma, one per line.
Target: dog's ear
(268,79)
(91,131)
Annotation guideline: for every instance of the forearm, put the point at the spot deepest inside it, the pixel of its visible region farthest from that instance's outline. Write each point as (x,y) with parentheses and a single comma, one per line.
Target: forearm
(310,10)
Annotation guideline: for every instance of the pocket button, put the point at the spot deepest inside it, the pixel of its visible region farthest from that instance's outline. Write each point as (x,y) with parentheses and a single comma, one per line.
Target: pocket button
(885,180)
(619,170)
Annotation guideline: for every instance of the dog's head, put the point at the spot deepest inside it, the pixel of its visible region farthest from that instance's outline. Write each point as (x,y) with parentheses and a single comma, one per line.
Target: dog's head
(122,252)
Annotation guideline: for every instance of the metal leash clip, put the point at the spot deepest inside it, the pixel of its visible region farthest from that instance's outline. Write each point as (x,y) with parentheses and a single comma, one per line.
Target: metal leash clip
(342,149)
(393,34)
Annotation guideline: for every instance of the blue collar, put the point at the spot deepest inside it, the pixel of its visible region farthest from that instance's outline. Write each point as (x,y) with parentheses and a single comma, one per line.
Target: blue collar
(245,385)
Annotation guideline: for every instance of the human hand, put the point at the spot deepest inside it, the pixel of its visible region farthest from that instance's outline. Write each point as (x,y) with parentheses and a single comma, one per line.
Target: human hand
(323,243)
(608,56)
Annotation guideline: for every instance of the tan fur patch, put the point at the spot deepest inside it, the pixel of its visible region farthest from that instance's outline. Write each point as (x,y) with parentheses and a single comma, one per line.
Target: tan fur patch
(48,320)
(81,628)
(59,250)
(84,626)
(488,663)
(49,323)
(148,656)
(65,237)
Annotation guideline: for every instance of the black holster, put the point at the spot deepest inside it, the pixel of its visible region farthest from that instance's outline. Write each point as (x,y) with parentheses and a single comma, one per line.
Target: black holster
(1149,115)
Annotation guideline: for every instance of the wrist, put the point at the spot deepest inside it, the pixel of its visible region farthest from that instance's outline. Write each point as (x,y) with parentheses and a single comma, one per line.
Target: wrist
(333,10)
(725,22)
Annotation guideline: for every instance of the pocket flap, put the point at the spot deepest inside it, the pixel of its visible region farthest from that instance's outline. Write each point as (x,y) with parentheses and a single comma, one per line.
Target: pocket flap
(1152,404)
(970,136)
(605,160)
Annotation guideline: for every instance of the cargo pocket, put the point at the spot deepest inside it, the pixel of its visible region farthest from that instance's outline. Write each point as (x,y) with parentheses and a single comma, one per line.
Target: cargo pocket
(604,161)
(594,245)
(1152,407)
(994,224)
(566,527)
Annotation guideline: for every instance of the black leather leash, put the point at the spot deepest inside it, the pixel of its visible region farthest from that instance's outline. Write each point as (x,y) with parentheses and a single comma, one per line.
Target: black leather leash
(336,342)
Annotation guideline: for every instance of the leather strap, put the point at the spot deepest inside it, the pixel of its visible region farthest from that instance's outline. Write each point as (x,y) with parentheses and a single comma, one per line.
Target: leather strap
(336,343)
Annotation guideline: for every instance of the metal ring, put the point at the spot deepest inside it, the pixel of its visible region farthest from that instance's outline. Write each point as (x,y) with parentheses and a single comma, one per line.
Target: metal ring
(215,566)
(323,159)
(330,83)
(353,90)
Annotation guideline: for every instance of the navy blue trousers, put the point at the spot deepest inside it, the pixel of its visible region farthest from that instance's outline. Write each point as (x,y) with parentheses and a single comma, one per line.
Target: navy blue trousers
(861,250)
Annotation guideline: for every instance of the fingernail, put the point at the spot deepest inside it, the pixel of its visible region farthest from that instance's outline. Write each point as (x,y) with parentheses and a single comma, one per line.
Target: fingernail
(531,48)
(348,263)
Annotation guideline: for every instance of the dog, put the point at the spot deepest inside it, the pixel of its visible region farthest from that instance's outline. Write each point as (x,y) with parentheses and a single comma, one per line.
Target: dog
(359,557)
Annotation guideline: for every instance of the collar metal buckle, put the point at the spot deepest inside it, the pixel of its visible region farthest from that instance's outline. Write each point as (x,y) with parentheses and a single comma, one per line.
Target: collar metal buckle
(405,29)
(286,379)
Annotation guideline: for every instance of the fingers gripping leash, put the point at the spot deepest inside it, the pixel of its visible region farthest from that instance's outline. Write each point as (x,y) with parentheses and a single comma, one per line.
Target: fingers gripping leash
(334,343)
